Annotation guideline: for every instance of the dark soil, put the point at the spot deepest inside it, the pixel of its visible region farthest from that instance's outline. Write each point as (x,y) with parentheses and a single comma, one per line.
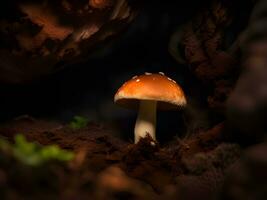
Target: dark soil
(106,167)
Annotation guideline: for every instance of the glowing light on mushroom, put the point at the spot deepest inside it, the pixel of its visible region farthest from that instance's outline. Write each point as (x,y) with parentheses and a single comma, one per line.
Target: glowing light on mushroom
(147,93)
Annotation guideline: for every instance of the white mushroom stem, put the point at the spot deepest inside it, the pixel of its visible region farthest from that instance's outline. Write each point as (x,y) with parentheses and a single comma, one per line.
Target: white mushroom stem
(146,120)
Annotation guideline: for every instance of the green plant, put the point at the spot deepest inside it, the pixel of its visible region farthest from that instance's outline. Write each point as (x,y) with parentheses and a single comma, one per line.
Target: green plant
(34,154)
(79,122)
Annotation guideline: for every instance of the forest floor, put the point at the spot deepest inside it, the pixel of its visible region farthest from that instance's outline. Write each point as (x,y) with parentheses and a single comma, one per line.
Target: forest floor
(106,167)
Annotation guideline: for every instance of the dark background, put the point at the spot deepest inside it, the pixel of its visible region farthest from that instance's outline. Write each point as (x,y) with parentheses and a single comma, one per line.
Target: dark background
(87,89)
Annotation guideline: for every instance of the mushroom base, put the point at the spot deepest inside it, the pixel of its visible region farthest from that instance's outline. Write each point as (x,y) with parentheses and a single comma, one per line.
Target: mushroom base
(146,120)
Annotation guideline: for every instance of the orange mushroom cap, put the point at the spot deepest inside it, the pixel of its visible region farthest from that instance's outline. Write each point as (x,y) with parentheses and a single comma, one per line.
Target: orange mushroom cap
(157,87)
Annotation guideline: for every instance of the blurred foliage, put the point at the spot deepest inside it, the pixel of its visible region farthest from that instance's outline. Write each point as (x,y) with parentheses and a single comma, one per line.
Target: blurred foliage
(34,154)
(79,122)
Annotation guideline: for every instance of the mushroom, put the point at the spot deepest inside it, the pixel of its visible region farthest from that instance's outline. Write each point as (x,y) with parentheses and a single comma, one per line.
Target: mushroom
(148,93)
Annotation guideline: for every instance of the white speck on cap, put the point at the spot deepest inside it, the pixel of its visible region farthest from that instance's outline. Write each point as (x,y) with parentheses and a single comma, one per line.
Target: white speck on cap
(137,80)
(161,73)
(147,73)
(134,77)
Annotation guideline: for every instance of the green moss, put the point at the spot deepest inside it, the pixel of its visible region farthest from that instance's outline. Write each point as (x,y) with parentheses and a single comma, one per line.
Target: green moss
(33,154)
(79,122)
